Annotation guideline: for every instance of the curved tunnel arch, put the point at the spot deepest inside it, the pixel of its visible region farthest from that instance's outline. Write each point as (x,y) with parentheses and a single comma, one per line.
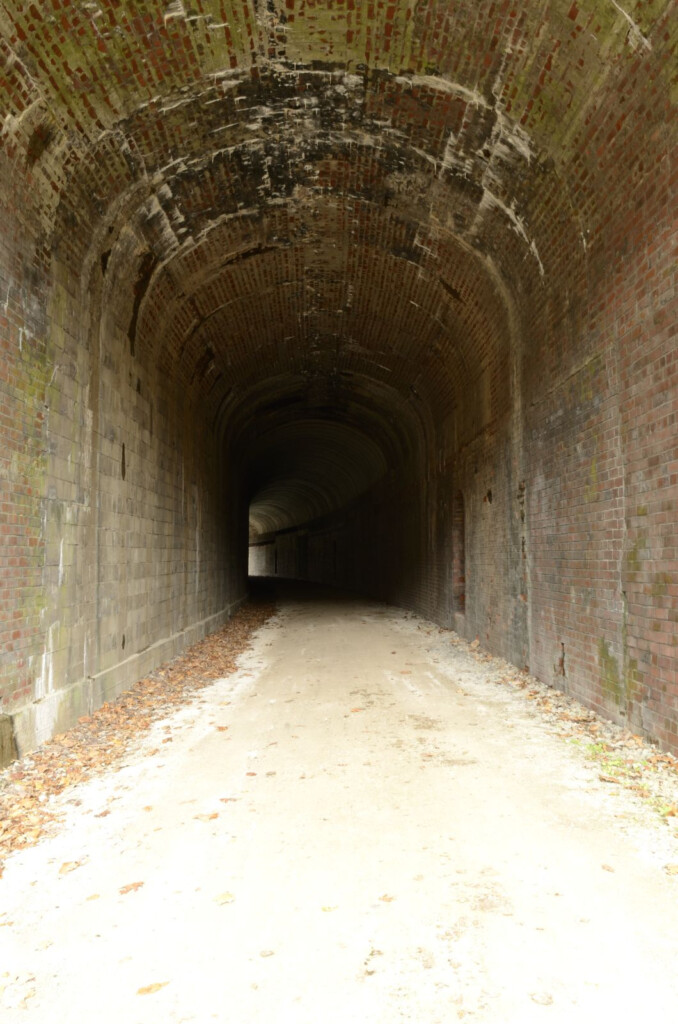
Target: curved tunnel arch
(335,293)
(344,267)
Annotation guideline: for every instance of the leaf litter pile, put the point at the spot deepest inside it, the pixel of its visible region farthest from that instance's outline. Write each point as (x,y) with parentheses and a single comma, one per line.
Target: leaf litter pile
(103,738)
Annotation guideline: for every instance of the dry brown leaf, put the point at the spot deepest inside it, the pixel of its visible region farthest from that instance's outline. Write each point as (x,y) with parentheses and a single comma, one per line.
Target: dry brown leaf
(608,778)
(206,817)
(222,728)
(386,898)
(148,989)
(353,710)
(69,865)
(542,998)
(132,887)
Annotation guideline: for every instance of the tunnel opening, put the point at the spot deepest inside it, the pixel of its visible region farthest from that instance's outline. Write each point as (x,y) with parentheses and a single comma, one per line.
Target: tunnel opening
(306,470)
(308,479)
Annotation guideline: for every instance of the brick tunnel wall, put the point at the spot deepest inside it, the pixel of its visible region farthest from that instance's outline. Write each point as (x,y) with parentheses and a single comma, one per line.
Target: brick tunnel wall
(601,404)
(118,515)
(24,378)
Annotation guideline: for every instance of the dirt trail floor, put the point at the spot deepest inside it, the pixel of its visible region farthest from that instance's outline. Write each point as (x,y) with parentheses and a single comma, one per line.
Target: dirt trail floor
(369,820)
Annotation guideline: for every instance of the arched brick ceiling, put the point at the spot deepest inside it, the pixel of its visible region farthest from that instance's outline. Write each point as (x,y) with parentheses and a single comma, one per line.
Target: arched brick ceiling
(297,198)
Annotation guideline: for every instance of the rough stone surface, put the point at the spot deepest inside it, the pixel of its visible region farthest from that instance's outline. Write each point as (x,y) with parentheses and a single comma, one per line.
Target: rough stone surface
(339,262)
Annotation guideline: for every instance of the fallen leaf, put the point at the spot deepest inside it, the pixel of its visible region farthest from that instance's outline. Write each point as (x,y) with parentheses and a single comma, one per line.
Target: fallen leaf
(542,998)
(94,896)
(149,808)
(608,778)
(206,817)
(228,799)
(328,910)
(28,994)
(353,710)
(386,898)
(102,814)
(607,867)
(132,887)
(267,952)
(69,865)
(671,869)
(226,897)
(148,989)
(250,773)
(222,728)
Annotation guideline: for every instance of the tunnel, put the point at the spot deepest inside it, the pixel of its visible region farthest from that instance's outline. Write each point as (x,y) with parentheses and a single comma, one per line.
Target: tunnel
(376,295)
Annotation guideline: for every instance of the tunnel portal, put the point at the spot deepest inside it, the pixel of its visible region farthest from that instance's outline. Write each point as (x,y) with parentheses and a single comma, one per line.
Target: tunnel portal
(384,293)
